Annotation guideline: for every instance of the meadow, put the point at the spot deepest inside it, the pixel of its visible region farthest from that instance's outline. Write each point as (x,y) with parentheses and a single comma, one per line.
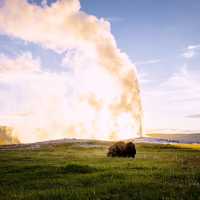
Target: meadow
(83,171)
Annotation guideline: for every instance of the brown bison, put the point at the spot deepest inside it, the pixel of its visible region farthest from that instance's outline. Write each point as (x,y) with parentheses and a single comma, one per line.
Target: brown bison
(122,149)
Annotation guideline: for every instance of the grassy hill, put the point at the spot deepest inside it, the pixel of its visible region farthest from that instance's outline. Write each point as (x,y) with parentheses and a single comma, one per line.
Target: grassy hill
(80,170)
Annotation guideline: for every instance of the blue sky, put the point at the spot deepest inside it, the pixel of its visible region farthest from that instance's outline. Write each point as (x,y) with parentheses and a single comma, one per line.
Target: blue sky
(152,29)
(162,38)
(156,34)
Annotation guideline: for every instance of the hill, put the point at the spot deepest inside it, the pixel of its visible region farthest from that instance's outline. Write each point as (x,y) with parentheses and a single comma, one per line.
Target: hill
(80,170)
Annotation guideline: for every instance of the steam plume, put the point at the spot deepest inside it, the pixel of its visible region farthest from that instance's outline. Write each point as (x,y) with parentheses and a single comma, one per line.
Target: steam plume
(7,136)
(106,88)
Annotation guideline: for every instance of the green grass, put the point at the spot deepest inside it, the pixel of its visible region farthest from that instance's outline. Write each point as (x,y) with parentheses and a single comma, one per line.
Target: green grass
(72,171)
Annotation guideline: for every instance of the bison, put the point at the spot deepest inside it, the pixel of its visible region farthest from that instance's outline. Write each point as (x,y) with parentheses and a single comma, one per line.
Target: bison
(122,149)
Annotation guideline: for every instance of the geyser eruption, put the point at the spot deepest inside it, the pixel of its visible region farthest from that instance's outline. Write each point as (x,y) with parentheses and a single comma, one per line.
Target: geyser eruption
(7,136)
(97,96)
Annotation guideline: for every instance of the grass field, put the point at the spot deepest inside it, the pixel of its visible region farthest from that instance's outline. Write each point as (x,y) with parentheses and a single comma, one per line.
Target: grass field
(82,171)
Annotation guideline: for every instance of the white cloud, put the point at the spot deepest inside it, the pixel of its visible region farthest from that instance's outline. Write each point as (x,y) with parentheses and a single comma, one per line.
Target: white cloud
(23,63)
(143,77)
(193,46)
(166,104)
(189,54)
(191,51)
(147,62)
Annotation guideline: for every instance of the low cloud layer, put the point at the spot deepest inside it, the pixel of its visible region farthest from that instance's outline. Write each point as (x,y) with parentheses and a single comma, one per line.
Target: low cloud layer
(148,62)
(194,116)
(173,100)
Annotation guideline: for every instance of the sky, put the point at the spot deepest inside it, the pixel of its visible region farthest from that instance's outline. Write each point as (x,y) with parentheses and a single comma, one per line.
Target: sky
(161,38)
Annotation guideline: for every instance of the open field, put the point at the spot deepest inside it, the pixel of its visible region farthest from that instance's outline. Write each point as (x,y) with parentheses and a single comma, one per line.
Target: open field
(81,170)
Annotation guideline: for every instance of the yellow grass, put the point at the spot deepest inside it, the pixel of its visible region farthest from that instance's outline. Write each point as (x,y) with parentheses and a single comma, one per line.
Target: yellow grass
(187,146)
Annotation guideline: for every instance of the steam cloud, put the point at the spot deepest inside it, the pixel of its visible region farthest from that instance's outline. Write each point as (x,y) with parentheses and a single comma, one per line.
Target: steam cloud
(7,136)
(98,96)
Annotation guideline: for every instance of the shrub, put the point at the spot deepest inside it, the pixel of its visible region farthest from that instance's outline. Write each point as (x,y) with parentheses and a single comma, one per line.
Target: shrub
(121,149)
(79,169)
